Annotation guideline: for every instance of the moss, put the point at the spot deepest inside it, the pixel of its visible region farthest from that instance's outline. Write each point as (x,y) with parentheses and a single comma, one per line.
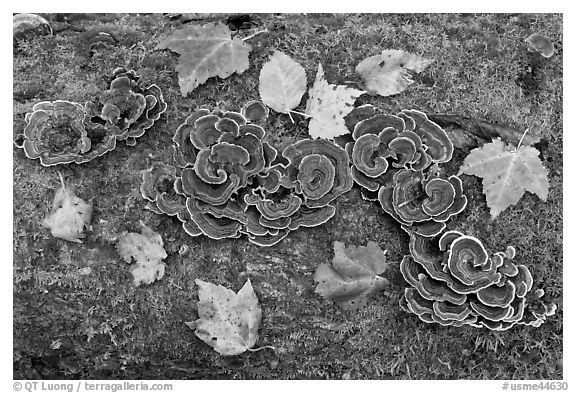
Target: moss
(71,322)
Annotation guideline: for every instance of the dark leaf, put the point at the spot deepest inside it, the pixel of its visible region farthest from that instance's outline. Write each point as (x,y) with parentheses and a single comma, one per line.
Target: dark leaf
(485,130)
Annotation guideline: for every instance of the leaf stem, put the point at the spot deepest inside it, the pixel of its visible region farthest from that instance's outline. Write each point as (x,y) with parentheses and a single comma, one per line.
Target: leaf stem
(63,184)
(291,118)
(521,139)
(255,34)
(61,179)
(259,349)
(301,114)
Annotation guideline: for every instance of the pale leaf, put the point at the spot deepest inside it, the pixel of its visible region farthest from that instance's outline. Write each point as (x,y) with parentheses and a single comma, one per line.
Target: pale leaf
(389,73)
(147,249)
(353,276)
(327,106)
(282,83)
(228,321)
(206,51)
(507,173)
(69,215)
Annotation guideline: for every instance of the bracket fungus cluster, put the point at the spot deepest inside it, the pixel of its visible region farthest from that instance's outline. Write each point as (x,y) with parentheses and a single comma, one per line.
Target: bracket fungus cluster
(454,282)
(63,132)
(394,160)
(227,181)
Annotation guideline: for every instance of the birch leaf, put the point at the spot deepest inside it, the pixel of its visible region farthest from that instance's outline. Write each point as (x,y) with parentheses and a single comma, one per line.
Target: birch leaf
(388,73)
(69,215)
(353,275)
(327,106)
(206,51)
(147,249)
(507,173)
(228,321)
(282,83)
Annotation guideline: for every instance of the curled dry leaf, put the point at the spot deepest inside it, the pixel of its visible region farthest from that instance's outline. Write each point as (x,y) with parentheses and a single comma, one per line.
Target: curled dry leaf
(228,321)
(206,51)
(24,23)
(147,249)
(538,43)
(327,106)
(353,276)
(282,83)
(507,173)
(69,215)
(388,73)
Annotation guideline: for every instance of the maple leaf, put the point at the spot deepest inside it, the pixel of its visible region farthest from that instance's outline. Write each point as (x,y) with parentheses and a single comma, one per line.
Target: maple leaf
(327,106)
(69,215)
(507,173)
(389,72)
(282,83)
(206,51)
(228,321)
(147,249)
(353,275)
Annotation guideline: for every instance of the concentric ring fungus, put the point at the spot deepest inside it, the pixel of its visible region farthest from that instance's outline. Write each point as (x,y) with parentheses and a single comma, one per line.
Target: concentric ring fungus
(319,170)
(127,108)
(422,203)
(158,188)
(230,182)
(454,282)
(55,133)
(384,144)
(62,132)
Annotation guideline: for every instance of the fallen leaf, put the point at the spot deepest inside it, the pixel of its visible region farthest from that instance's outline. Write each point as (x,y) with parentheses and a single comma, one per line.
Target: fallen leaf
(187,17)
(147,249)
(241,21)
(206,51)
(327,106)
(23,23)
(353,275)
(461,139)
(228,321)
(282,83)
(389,73)
(507,173)
(538,43)
(69,215)
(484,129)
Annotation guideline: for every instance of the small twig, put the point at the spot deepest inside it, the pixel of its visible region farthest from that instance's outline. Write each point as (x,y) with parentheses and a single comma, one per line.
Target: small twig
(409,200)
(405,203)
(255,34)
(521,139)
